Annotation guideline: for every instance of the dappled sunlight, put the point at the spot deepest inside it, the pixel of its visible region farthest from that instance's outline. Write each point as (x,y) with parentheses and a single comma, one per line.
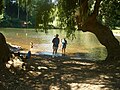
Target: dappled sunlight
(40,67)
(104,76)
(34,73)
(77,62)
(89,60)
(68,77)
(84,86)
(54,88)
(63,73)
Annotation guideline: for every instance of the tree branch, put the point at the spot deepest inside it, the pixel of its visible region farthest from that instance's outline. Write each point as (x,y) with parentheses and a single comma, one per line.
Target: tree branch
(96,8)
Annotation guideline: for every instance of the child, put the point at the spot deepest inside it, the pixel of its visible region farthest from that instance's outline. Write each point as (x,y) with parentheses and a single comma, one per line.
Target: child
(28,56)
(64,43)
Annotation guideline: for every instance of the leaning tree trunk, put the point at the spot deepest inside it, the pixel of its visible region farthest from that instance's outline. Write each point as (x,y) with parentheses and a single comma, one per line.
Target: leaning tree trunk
(106,38)
(103,33)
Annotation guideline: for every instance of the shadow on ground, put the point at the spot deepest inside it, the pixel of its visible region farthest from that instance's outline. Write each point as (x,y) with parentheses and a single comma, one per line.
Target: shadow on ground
(61,73)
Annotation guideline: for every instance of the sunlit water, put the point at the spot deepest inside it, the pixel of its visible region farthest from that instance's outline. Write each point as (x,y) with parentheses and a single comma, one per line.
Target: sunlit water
(84,46)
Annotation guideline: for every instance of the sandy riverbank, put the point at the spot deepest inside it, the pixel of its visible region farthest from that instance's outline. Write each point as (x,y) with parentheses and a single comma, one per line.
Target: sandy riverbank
(42,72)
(47,73)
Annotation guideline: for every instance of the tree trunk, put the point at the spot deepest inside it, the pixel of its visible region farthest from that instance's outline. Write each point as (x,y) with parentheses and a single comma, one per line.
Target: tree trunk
(103,33)
(105,37)
(4,51)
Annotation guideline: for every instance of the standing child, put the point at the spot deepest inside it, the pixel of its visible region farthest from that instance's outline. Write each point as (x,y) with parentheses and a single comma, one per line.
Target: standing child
(31,45)
(28,56)
(64,43)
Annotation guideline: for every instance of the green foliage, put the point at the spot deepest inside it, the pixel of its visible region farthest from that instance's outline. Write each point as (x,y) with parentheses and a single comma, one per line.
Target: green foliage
(10,22)
(1,6)
(67,6)
(18,12)
(42,12)
(25,3)
(44,9)
(66,14)
(110,13)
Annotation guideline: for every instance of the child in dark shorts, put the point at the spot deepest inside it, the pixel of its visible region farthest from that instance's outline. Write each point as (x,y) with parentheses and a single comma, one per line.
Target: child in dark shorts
(64,43)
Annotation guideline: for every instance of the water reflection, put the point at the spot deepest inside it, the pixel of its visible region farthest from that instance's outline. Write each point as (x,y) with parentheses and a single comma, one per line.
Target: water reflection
(84,46)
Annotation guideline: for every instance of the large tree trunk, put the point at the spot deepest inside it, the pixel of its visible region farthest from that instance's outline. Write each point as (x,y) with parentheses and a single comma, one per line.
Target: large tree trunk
(103,33)
(105,37)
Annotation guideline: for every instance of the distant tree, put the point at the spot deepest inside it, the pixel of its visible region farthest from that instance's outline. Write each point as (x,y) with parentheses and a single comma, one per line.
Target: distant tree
(29,7)
(11,9)
(17,11)
(44,9)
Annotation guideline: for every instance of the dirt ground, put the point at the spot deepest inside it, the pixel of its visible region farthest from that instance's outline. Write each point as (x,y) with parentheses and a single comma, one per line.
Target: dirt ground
(61,73)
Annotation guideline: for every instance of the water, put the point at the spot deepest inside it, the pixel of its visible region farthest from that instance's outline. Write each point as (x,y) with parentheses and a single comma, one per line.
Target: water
(84,46)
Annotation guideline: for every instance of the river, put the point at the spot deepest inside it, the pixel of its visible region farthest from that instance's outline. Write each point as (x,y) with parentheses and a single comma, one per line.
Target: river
(84,46)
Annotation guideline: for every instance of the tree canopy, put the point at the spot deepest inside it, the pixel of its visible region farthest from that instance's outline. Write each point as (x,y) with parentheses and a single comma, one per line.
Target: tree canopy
(42,11)
(108,12)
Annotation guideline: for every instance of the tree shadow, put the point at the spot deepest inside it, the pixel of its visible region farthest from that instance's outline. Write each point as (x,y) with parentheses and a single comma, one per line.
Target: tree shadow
(110,73)
(63,73)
